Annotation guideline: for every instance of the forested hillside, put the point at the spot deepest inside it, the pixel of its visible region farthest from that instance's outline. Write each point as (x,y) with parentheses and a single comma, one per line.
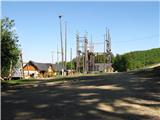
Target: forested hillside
(137,59)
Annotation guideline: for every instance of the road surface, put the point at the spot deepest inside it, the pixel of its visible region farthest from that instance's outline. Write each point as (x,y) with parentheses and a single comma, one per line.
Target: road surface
(117,96)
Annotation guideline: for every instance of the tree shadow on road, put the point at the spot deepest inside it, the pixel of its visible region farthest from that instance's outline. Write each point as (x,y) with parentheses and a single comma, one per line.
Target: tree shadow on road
(125,96)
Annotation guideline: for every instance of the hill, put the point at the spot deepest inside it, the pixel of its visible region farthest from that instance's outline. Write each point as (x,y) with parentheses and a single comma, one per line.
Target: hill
(137,59)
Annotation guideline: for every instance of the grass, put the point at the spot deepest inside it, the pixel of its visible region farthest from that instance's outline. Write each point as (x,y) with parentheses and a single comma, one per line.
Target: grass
(148,72)
(17,82)
(33,81)
(6,83)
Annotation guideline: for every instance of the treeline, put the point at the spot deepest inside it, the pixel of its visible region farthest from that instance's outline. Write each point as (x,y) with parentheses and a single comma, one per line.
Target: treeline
(136,60)
(129,61)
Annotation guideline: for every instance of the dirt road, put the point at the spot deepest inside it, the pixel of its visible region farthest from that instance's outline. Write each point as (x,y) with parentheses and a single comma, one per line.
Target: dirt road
(120,96)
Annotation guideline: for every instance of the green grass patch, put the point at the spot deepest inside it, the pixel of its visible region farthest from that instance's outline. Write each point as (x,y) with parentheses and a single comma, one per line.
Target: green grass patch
(17,82)
(55,79)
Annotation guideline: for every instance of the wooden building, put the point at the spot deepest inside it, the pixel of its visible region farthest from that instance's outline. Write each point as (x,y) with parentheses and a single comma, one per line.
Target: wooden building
(40,70)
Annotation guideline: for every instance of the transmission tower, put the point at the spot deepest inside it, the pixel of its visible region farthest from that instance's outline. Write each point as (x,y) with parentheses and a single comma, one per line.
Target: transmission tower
(91,57)
(82,53)
(85,55)
(108,47)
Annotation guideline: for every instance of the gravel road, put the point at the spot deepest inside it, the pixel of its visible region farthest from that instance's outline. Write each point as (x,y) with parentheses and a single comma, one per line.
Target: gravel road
(116,96)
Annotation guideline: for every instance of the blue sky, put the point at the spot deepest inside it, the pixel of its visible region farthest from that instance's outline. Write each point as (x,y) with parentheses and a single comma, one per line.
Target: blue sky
(133,25)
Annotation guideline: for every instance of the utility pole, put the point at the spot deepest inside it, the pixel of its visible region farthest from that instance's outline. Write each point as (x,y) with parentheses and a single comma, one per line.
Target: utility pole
(93,55)
(21,60)
(83,54)
(78,54)
(104,57)
(60,16)
(71,57)
(66,45)
(52,54)
(109,47)
(57,55)
(57,59)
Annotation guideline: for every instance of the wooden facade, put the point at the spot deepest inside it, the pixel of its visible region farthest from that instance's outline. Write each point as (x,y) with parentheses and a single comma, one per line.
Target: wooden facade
(30,68)
(39,70)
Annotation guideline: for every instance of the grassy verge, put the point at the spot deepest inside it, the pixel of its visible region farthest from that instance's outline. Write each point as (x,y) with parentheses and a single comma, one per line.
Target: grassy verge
(17,82)
(55,79)
(6,83)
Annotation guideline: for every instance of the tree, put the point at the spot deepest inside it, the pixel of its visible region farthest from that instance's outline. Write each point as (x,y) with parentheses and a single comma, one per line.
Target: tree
(120,63)
(137,59)
(70,65)
(9,46)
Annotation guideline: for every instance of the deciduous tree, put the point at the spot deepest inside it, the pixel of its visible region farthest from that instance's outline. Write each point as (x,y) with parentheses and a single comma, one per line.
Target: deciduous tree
(9,46)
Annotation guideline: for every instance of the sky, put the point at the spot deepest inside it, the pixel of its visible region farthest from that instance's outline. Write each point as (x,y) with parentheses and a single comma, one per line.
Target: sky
(133,26)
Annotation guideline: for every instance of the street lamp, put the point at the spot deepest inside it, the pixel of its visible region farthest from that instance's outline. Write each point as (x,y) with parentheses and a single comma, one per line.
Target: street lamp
(60,16)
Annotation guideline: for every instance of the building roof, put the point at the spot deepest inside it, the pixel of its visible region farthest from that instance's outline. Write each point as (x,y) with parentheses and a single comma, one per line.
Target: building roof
(45,66)
(57,67)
